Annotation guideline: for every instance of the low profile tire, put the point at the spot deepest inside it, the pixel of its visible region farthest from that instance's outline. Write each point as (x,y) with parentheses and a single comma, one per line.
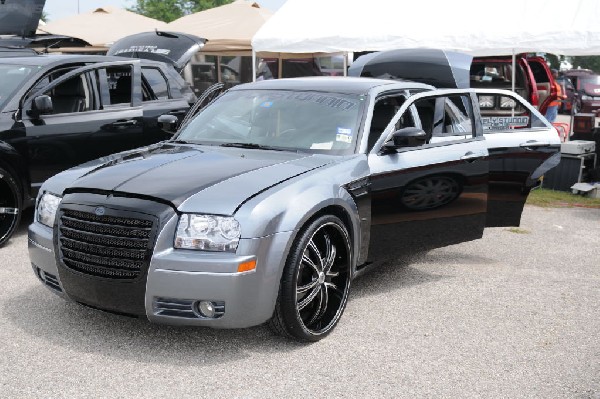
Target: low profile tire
(10,205)
(315,282)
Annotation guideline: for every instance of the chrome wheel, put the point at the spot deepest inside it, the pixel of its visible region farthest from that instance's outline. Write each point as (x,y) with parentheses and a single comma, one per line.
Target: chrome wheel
(430,192)
(316,281)
(10,209)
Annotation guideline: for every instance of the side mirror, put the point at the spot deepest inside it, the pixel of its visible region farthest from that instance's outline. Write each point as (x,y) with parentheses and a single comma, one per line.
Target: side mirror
(407,137)
(41,105)
(168,123)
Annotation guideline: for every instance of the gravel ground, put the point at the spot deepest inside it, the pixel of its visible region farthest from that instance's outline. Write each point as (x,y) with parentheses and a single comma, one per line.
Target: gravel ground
(513,315)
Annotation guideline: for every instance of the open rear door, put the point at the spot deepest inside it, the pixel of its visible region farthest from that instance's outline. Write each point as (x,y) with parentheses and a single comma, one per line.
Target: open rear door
(522,148)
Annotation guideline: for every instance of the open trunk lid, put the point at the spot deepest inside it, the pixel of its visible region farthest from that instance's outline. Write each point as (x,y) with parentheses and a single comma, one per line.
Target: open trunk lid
(20,17)
(174,48)
(439,68)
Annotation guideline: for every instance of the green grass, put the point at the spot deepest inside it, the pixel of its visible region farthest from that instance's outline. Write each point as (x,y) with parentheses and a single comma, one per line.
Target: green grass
(560,199)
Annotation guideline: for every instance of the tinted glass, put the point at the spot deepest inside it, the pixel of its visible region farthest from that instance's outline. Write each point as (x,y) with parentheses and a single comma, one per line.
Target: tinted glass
(305,121)
(157,82)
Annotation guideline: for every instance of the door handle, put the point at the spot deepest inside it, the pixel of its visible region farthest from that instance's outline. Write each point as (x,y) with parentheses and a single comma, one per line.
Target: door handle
(470,157)
(531,144)
(129,122)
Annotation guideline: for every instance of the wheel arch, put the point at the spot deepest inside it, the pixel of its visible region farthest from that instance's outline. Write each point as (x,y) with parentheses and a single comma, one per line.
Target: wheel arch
(13,162)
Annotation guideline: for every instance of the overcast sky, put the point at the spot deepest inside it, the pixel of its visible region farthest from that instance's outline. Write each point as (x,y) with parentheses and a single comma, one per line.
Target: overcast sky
(57,9)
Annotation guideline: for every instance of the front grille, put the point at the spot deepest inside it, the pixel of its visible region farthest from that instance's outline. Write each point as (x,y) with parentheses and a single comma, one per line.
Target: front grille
(105,246)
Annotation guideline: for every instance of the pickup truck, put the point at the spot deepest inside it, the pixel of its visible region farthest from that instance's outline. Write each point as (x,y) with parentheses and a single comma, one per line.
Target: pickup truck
(267,204)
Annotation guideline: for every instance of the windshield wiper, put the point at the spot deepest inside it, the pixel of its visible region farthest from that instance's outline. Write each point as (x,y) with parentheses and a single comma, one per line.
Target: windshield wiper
(252,146)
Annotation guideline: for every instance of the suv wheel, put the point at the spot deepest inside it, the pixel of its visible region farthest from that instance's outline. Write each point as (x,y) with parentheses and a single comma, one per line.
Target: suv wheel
(10,205)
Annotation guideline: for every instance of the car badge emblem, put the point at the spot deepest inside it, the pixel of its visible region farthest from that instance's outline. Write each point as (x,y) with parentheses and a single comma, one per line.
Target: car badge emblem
(99,211)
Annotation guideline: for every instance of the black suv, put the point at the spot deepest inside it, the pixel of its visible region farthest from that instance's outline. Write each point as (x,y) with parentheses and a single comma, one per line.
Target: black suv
(58,111)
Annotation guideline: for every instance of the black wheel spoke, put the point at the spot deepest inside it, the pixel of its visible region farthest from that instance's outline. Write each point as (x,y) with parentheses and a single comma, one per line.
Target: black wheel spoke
(309,298)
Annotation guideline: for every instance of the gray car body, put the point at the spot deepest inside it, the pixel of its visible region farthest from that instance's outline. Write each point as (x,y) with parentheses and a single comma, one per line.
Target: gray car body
(271,203)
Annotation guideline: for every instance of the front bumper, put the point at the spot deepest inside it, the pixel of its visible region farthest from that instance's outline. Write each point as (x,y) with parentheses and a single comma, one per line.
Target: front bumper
(181,278)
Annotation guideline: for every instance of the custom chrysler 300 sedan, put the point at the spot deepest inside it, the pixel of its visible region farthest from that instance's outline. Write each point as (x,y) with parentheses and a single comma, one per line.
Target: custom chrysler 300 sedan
(268,203)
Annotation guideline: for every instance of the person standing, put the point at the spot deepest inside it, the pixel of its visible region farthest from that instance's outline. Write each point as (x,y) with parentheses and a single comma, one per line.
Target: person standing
(552,111)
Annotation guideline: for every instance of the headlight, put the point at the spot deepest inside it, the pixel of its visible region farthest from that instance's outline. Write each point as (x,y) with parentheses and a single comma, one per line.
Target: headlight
(585,97)
(46,209)
(207,233)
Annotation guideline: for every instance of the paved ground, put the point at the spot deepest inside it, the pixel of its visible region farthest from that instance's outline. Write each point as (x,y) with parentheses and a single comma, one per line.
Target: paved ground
(514,315)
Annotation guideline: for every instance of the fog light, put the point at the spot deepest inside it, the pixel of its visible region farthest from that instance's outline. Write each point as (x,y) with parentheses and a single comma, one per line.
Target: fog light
(206,309)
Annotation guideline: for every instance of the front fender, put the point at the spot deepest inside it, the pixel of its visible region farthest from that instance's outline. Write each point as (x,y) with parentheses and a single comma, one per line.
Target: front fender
(289,206)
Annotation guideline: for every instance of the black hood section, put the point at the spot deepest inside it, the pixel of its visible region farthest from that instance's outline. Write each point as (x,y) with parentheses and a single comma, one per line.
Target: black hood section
(20,17)
(439,68)
(174,48)
(171,172)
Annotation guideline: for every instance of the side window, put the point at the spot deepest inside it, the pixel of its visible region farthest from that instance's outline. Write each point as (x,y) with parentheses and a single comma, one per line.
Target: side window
(119,84)
(384,110)
(502,113)
(446,118)
(73,95)
(157,83)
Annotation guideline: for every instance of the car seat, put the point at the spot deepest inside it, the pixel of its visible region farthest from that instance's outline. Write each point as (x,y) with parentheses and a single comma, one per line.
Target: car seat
(69,97)
(122,92)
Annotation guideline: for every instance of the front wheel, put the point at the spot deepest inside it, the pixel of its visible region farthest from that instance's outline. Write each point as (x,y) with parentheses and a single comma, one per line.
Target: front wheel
(10,205)
(315,281)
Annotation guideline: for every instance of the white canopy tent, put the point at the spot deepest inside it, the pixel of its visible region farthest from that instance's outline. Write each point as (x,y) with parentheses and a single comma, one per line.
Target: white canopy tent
(476,28)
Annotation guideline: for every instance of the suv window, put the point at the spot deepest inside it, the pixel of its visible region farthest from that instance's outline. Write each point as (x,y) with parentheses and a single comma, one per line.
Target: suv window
(157,83)
(72,95)
(539,72)
(119,84)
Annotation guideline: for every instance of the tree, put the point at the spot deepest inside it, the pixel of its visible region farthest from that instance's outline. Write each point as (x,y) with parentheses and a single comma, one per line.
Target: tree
(169,10)
(587,62)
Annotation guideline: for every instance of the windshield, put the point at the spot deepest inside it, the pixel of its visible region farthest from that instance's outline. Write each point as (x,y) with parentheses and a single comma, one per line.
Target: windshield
(12,78)
(279,119)
(591,84)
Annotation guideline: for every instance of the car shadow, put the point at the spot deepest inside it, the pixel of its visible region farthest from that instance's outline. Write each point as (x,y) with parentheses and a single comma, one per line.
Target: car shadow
(45,316)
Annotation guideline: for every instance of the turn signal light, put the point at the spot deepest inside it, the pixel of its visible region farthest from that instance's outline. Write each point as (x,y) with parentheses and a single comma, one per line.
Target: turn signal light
(247,266)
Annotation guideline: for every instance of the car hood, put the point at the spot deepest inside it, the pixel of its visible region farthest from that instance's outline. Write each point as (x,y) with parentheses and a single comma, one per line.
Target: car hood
(439,68)
(173,173)
(174,48)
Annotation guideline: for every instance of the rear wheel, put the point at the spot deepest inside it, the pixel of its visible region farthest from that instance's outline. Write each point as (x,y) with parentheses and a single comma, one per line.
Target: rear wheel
(315,282)
(10,205)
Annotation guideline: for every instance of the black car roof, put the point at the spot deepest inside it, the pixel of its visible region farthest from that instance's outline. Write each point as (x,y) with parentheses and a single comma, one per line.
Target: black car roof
(345,85)
(58,59)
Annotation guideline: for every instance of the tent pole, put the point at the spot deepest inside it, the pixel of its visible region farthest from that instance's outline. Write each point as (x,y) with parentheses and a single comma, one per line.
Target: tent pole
(345,63)
(514,74)
(253,65)
(514,59)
